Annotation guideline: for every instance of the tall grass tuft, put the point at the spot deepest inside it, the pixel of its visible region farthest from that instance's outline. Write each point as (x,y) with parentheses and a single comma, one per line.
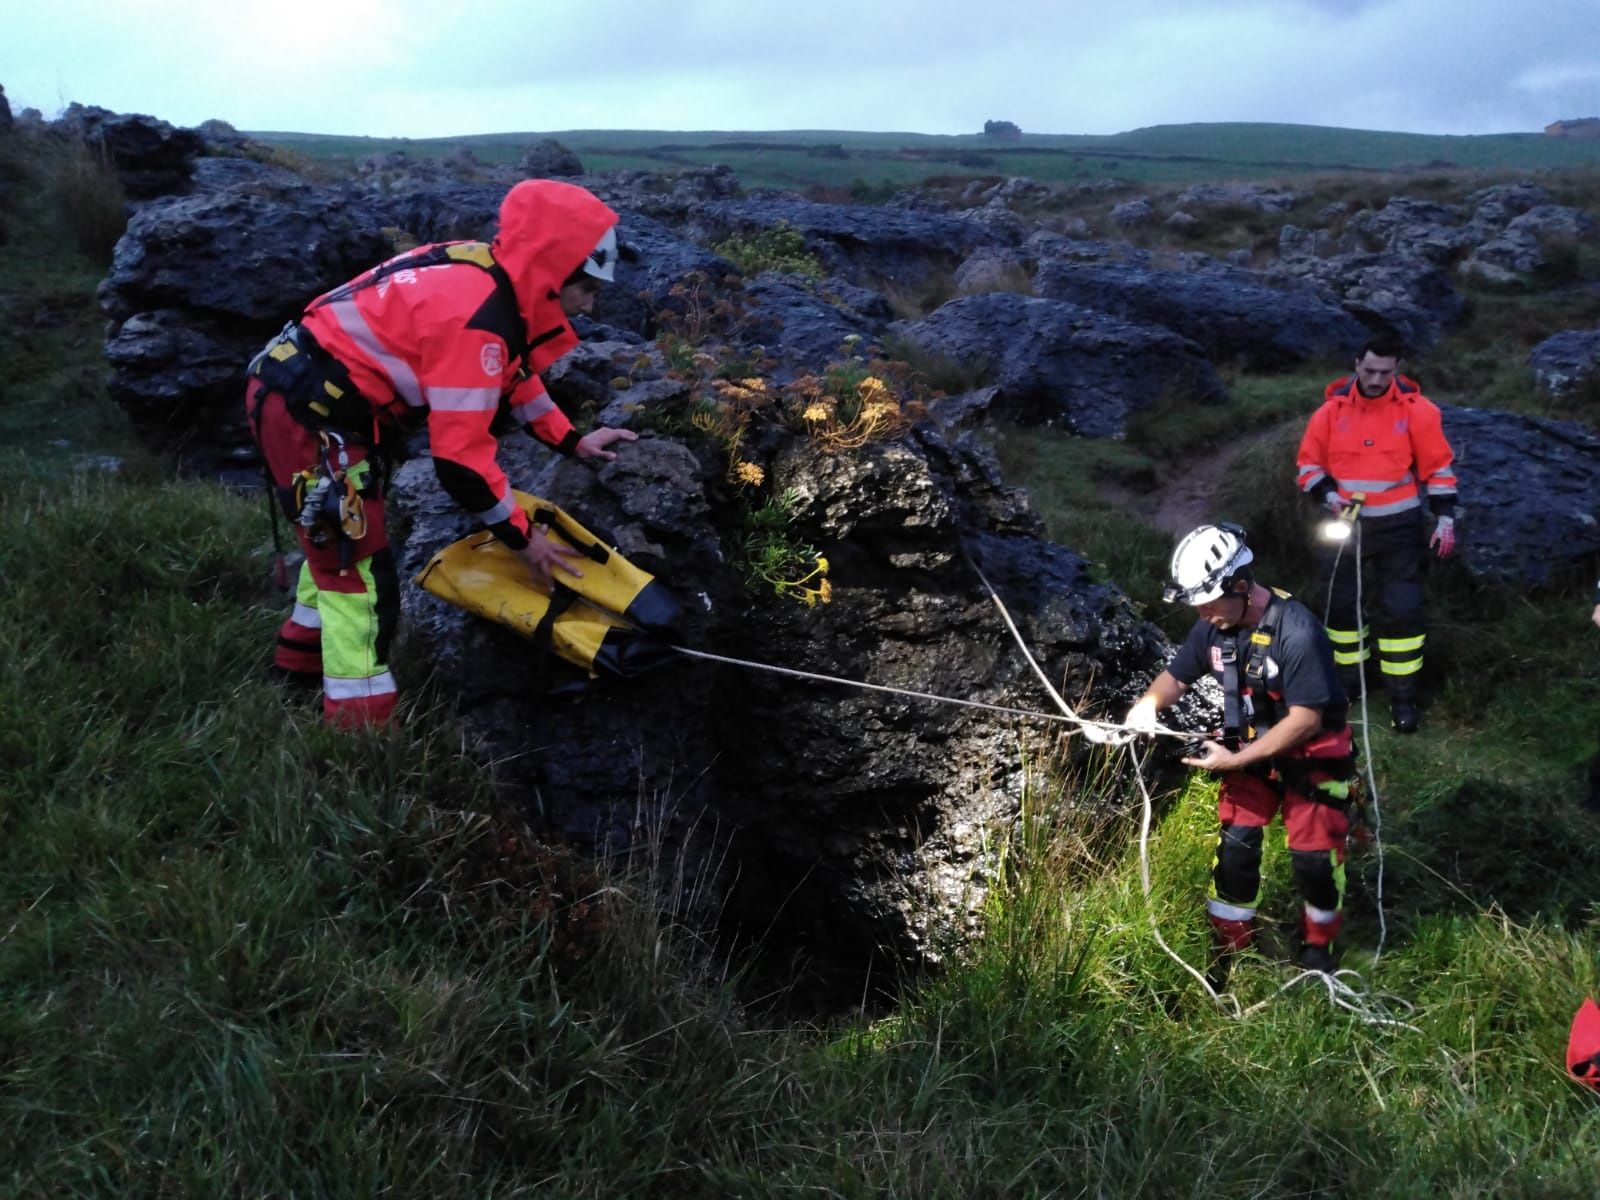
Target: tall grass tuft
(90,193)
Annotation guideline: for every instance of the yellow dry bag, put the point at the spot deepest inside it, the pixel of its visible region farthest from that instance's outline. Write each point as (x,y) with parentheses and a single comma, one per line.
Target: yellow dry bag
(614,620)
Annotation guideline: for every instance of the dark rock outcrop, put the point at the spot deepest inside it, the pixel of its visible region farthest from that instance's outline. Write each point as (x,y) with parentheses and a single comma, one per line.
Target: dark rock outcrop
(1060,362)
(1253,196)
(548,159)
(1523,248)
(849,829)
(868,246)
(1566,360)
(655,260)
(1230,314)
(803,324)
(1494,208)
(197,284)
(221,135)
(1398,293)
(151,157)
(1530,495)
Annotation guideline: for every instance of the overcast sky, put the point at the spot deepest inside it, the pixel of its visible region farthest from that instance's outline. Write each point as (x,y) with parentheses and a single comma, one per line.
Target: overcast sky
(427,68)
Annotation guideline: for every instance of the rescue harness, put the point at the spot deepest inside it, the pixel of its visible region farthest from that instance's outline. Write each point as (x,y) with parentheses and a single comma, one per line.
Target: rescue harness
(1324,766)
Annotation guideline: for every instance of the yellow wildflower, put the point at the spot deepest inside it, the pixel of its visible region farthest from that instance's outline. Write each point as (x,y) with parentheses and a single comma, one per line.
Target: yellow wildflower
(825,592)
(822,565)
(816,412)
(872,388)
(749,472)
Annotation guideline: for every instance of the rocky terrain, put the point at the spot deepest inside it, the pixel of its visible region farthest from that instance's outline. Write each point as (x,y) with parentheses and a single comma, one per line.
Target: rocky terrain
(847,828)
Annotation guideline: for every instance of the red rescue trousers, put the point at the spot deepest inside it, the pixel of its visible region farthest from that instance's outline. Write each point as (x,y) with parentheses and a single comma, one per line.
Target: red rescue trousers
(1317,823)
(347,597)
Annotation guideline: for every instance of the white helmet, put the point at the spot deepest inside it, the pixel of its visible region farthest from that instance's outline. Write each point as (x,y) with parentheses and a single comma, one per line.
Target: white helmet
(602,260)
(1206,562)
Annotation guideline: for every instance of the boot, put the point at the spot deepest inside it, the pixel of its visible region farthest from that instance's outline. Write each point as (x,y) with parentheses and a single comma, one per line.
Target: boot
(1317,958)
(1350,679)
(1403,703)
(1404,714)
(1227,939)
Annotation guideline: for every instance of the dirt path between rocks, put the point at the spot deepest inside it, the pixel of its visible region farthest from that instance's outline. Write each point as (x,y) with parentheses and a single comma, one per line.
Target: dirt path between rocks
(1189,498)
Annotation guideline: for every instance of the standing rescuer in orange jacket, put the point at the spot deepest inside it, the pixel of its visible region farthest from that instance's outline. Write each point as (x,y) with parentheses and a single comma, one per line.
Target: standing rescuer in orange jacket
(1378,439)
(453,336)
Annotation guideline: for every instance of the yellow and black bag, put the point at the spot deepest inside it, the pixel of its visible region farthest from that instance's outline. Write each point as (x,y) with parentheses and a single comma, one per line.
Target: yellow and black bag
(615,620)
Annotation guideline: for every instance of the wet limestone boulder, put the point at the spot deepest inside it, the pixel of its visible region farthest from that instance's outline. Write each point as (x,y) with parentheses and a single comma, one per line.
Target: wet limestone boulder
(852,829)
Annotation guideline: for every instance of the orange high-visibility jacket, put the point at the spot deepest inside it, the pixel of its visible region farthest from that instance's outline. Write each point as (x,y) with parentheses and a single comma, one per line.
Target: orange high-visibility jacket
(1386,447)
(441,340)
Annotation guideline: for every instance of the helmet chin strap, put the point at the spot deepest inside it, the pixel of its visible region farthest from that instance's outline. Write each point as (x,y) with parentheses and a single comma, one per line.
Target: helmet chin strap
(1243,612)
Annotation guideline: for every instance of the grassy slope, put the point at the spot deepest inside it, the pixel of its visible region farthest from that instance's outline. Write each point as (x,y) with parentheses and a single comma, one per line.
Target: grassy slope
(242,956)
(1166,154)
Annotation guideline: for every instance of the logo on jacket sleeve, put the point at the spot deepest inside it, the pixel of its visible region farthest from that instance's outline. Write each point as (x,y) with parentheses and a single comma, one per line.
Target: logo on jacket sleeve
(493,358)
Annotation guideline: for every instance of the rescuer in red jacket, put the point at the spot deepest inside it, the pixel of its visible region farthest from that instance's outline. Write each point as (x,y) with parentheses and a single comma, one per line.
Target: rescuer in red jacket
(1378,437)
(452,336)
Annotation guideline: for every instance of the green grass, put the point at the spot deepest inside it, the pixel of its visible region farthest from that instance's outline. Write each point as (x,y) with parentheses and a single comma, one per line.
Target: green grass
(241,954)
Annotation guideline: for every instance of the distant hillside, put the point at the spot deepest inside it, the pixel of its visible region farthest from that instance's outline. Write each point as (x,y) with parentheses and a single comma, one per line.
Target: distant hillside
(1159,154)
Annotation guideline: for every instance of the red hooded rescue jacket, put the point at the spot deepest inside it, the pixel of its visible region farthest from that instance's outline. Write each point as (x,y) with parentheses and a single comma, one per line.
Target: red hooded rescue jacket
(1387,446)
(444,339)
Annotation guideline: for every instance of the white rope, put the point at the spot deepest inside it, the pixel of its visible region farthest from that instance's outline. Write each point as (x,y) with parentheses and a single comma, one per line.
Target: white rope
(1097,731)
(1366,728)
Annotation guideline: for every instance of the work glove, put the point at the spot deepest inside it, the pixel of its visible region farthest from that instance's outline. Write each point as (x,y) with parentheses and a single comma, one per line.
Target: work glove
(1141,717)
(1333,502)
(1443,541)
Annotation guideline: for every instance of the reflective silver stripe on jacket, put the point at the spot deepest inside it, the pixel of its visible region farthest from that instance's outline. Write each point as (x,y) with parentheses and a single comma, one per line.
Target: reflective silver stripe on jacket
(398,371)
(459,399)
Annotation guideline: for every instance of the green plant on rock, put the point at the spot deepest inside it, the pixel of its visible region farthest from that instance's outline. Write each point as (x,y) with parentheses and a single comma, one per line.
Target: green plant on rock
(773,558)
(780,247)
